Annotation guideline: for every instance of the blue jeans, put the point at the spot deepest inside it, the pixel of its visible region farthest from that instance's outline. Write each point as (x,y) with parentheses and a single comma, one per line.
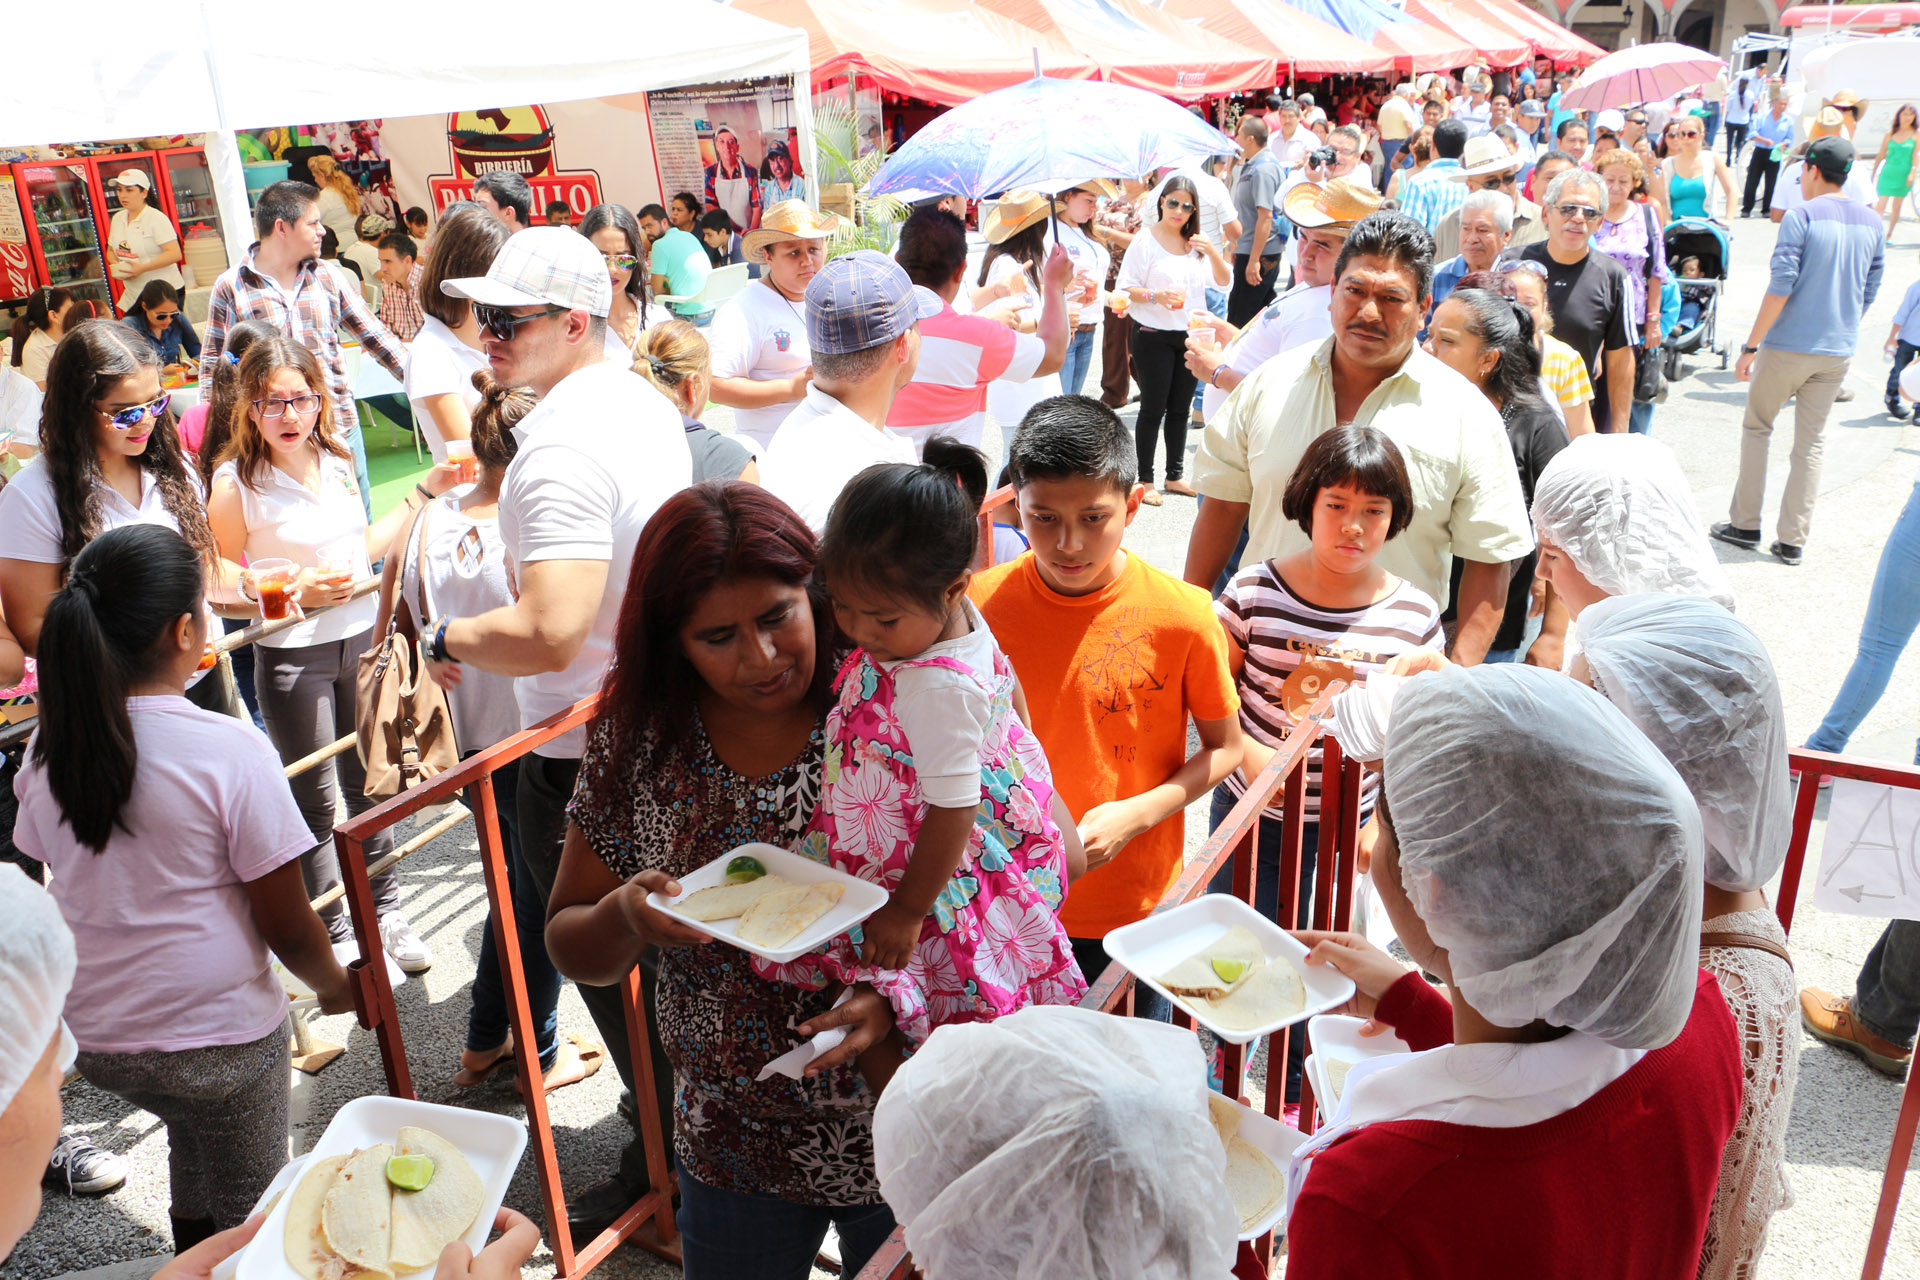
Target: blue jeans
(1519,652)
(1079,358)
(487,1021)
(1217,304)
(735,1235)
(1239,552)
(1893,610)
(1640,419)
(359,447)
(1266,896)
(1092,958)
(1886,995)
(1713,124)
(1903,354)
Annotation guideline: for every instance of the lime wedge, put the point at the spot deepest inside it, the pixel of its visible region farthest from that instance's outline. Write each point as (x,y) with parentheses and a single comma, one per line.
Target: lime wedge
(744,868)
(1229,970)
(410,1173)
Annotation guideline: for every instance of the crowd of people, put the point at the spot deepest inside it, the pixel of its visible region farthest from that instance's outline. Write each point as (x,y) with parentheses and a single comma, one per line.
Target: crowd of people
(1422,470)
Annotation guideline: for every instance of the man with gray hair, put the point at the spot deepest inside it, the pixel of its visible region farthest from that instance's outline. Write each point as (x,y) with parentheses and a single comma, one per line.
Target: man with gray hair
(1587,293)
(1488,164)
(1485,225)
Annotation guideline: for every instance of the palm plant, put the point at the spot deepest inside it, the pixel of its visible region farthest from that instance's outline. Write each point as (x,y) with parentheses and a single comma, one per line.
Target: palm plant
(876,219)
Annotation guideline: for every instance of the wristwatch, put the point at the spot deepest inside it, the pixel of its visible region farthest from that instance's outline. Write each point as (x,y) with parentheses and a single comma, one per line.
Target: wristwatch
(437,644)
(1749,351)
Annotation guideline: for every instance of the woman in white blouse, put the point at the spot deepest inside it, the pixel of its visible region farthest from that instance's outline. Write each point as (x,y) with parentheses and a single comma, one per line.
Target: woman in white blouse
(1166,274)
(285,488)
(447,352)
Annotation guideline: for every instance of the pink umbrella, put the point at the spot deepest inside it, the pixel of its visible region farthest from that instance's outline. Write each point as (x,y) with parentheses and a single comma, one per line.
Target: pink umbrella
(1641,73)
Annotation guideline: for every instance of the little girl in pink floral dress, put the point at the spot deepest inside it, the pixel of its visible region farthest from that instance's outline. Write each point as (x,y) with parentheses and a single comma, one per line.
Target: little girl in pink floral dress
(933,786)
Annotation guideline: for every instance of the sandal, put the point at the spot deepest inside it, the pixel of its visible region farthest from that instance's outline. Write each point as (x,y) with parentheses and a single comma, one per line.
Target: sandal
(472,1077)
(1152,497)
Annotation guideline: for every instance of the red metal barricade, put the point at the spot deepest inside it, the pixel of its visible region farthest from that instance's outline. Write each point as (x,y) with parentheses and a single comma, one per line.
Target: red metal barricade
(1813,766)
(1234,843)
(373,995)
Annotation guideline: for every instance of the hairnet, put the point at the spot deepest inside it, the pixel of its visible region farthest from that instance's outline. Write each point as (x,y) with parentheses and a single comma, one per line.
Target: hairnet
(1698,683)
(1056,1142)
(1620,507)
(1550,848)
(36,970)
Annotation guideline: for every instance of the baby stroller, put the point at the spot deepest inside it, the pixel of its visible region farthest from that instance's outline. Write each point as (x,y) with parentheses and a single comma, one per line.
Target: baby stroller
(1706,240)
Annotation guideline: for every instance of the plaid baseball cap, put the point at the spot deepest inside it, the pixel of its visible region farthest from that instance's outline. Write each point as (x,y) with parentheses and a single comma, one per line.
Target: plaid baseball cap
(862,299)
(541,266)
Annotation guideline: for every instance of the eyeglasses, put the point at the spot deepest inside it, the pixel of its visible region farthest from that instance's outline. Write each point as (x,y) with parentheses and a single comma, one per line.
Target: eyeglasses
(502,324)
(1636,119)
(1493,182)
(1182,205)
(620,261)
(273,408)
(125,419)
(1583,212)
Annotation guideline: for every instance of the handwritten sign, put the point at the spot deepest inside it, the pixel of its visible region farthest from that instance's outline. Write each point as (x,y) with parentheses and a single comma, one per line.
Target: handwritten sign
(1870,864)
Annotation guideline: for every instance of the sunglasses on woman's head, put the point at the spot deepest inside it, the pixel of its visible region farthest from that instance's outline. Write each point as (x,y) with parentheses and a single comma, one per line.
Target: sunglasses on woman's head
(126,419)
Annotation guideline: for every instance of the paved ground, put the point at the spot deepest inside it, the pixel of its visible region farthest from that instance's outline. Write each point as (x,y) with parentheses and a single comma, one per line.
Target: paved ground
(1809,616)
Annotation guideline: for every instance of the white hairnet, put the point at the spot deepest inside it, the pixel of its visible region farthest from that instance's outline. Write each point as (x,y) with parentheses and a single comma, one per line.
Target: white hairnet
(36,970)
(1551,850)
(1056,1142)
(1620,507)
(1698,683)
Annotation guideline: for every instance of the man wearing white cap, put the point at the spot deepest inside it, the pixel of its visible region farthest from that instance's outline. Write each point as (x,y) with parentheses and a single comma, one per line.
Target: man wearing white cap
(141,242)
(597,457)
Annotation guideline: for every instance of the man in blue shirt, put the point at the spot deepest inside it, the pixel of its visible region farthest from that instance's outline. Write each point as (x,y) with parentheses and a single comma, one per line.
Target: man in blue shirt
(1903,344)
(1827,264)
(1772,129)
(1432,194)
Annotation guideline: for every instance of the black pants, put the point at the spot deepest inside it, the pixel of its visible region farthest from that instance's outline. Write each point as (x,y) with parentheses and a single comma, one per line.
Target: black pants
(1736,138)
(1763,165)
(1245,301)
(545,787)
(1166,392)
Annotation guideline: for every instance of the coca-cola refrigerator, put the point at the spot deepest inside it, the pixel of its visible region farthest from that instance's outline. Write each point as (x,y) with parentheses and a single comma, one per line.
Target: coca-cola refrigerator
(54,224)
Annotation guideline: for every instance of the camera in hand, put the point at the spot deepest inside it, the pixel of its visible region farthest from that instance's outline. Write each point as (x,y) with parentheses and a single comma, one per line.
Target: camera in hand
(1322,158)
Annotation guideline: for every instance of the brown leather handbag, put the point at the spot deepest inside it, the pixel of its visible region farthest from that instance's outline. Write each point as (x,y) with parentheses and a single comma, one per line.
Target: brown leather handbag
(404,728)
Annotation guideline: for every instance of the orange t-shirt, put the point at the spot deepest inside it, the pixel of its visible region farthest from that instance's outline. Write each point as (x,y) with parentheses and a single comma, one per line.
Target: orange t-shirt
(1111,678)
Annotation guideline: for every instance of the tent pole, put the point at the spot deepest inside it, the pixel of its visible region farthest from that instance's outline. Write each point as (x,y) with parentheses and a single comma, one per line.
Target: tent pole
(224,163)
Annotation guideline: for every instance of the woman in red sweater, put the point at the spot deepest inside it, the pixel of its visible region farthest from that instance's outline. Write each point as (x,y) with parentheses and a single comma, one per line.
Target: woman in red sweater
(1567,1110)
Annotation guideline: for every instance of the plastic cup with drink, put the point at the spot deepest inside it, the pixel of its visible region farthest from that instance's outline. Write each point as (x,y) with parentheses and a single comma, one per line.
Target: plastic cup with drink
(466,466)
(1120,300)
(276,584)
(1200,328)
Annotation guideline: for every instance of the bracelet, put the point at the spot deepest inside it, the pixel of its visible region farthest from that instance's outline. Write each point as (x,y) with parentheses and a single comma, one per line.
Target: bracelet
(1215,379)
(437,646)
(422,491)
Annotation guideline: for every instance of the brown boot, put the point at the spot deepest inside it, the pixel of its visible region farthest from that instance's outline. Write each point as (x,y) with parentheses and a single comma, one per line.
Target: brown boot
(1831,1018)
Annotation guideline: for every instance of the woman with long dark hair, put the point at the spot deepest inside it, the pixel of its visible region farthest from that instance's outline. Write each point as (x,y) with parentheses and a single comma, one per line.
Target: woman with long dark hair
(37,333)
(616,233)
(175,849)
(447,352)
(155,316)
(111,456)
(1488,340)
(1166,273)
(710,736)
(1012,273)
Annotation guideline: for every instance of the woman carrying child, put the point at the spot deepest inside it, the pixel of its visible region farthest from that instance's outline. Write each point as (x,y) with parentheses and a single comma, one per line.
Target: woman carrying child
(933,786)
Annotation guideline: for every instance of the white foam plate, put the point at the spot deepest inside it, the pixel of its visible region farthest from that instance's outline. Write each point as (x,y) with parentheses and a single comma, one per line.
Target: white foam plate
(1335,1037)
(861,899)
(1152,946)
(1276,1140)
(491,1143)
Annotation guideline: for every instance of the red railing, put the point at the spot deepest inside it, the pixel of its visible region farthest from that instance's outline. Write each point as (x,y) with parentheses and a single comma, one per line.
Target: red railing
(1234,843)
(374,1002)
(1813,766)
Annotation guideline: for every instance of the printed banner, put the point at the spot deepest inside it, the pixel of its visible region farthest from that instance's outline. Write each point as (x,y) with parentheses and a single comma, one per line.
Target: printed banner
(736,146)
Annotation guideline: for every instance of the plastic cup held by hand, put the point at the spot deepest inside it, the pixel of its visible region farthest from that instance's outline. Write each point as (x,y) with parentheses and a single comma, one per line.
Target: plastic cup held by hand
(1200,326)
(1120,301)
(276,582)
(460,454)
(337,564)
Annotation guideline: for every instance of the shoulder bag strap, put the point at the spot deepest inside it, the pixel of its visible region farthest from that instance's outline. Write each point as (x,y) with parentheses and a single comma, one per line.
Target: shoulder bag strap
(1746,942)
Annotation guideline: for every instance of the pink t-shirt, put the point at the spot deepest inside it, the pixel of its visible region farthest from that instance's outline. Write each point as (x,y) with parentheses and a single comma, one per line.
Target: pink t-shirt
(959,356)
(170,958)
(193,428)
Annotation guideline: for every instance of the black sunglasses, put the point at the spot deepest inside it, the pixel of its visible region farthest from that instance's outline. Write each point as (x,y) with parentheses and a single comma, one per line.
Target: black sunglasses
(502,324)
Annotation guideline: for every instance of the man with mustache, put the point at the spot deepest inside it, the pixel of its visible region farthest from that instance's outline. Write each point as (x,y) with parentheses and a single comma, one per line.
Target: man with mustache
(1467,500)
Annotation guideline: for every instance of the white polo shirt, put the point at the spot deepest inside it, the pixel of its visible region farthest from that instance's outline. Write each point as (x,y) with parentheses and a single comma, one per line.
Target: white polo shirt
(822,445)
(761,334)
(1295,318)
(286,519)
(598,456)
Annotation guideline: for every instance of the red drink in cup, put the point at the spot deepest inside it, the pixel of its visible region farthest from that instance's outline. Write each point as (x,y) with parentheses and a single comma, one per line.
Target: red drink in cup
(276,583)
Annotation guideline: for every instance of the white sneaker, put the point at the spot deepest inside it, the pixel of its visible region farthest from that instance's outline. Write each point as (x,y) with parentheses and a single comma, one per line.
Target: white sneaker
(83,1167)
(404,945)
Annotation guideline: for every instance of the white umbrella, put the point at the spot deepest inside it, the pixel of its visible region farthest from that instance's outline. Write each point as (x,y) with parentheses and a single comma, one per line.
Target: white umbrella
(1642,73)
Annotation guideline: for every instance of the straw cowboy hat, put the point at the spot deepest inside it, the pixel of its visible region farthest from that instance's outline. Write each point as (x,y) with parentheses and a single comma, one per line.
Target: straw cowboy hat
(1016,211)
(1484,155)
(1105,188)
(1335,204)
(788,220)
(1844,99)
(1828,124)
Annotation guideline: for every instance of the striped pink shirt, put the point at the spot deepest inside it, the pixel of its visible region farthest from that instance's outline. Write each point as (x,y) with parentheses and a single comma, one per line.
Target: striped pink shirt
(959,356)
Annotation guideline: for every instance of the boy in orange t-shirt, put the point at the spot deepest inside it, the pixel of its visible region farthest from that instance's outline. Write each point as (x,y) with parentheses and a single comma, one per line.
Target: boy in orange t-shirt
(1114,655)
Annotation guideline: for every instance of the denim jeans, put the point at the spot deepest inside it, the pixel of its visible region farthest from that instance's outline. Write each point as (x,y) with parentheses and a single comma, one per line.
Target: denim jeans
(1903,354)
(735,1235)
(1640,418)
(1079,358)
(359,447)
(1266,896)
(1893,610)
(1887,993)
(1092,958)
(1519,652)
(1239,552)
(1217,304)
(488,1021)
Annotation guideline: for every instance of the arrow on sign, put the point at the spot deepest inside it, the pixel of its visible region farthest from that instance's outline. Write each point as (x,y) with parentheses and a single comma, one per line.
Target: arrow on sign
(1859,891)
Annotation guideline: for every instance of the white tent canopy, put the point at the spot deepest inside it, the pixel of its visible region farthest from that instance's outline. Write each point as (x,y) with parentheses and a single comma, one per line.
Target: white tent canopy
(219,65)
